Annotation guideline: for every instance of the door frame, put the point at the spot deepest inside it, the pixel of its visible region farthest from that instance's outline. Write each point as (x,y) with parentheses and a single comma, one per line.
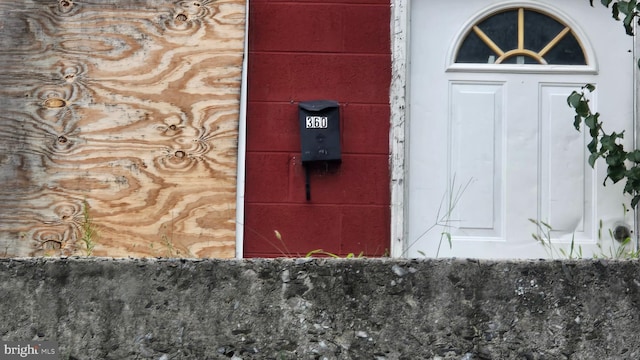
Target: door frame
(399,117)
(400,120)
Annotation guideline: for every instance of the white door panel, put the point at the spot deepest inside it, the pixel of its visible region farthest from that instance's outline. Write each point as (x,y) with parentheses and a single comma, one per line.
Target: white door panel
(504,134)
(477,154)
(566,180)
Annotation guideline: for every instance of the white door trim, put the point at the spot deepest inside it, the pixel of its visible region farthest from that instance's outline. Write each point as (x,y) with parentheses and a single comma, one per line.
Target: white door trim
(399,118)
(636,116)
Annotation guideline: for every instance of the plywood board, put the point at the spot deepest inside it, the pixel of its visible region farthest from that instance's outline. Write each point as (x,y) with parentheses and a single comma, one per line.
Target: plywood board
(119,116)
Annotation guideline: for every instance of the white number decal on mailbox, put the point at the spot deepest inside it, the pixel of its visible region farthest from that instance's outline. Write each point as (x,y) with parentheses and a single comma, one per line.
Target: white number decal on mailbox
(316,122)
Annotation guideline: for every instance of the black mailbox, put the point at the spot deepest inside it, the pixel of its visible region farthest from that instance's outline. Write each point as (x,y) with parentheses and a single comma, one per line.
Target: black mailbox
(320,130)
(319,135)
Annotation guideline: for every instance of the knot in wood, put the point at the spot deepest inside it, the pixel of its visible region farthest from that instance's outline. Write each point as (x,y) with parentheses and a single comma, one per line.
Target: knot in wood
(65,6)
(54,103)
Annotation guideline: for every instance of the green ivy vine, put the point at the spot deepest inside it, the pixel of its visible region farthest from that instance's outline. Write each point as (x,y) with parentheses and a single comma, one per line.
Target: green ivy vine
(630,9)
(621,164)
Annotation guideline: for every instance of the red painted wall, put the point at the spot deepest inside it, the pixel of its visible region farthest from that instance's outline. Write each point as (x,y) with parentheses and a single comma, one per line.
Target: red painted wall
(310,50)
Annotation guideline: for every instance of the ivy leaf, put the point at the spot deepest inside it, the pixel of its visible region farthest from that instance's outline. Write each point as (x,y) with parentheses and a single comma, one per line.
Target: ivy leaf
(616,158)
(615,12)
(605,2)
(589,87)
(583,109)
(627,23)
(628,188)
(592,159)
(615,173)
(625,7)
(593,146)
(574,99)
(576,122)
(591,121)
(634,156)
(634,201)
(609,141)
(634,174)
(633,180)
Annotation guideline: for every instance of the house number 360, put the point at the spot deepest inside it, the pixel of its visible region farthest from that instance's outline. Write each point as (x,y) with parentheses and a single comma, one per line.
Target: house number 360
(316,122)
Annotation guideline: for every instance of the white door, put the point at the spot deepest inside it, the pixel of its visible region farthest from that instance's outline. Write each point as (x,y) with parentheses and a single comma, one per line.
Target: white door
(489,124)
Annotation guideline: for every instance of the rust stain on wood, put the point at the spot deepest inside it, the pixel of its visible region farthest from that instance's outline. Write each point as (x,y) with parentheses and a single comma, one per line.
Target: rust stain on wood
(127,107)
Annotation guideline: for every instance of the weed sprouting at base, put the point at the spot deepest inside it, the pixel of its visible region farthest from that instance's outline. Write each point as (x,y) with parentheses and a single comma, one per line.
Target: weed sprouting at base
(448,203)
(89,232)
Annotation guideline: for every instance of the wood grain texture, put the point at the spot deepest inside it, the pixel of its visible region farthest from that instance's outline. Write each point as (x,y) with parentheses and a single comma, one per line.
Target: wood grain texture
(129,106)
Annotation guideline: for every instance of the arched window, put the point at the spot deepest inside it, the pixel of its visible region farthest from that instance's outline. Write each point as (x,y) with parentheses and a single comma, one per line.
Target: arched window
(520,36)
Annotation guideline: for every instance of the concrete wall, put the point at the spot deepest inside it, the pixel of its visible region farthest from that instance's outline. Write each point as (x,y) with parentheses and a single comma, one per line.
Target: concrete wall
(323,309)
(303,50)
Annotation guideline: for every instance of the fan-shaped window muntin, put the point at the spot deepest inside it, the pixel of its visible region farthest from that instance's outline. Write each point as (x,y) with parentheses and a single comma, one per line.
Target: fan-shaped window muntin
(521,36)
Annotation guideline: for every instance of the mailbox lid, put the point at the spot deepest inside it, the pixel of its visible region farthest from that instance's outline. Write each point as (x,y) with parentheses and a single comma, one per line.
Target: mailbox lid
(318,105)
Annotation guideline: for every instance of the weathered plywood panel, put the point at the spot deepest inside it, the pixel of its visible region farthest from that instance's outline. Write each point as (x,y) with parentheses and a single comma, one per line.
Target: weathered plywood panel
(129,107)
